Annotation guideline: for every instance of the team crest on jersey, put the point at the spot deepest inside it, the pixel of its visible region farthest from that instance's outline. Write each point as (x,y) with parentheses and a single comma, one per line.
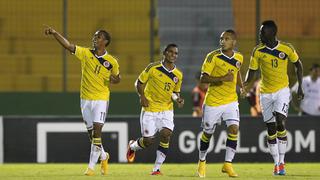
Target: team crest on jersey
(238,64)
(281,55)
(106,64)
(175,79)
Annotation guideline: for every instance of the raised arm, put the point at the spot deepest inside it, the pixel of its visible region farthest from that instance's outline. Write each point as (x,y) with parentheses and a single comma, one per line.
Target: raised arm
(299,73)
(63,41)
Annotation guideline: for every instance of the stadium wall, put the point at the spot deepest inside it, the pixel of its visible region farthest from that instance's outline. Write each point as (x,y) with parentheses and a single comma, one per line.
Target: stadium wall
(64,139)
(69,104)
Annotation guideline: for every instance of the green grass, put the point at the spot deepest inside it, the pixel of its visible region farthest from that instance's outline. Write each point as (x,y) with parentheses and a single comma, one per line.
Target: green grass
(141,171)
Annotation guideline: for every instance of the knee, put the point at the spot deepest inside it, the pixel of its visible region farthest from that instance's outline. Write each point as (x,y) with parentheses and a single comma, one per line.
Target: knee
(280,119)
(165,135)
(233,129)
(96,132)
(147,141)
(272,128)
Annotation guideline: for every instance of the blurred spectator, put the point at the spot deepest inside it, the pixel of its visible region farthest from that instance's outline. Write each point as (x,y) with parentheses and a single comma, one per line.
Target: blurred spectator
(253,99)
(198,94)
(310,105)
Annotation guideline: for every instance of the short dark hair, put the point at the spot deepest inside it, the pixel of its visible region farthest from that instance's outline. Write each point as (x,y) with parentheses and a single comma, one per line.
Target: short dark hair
(231,31)
(106,35)
(272,25)
(170,46)
(314,66)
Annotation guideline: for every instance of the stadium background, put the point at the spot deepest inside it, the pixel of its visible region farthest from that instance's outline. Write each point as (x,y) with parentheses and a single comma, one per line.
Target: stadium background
(39,78)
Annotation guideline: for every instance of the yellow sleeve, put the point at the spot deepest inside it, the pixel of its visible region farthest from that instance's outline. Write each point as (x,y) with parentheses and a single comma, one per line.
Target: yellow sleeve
(80,52)
(144,76)
(293,56)
(177,88)
(254,61)
(208,65)
(115,69)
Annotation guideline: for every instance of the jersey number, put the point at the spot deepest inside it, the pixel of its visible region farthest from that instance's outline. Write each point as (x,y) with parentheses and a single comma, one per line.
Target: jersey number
(97,69)
(274,63)
(285,107)
(167,86)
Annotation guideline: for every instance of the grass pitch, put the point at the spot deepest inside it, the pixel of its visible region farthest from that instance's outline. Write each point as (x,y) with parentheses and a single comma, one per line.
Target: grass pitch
(142,171)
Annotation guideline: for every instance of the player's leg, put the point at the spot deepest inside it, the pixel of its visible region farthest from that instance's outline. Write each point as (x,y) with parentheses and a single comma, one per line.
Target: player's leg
(281,111)
(98,109)
(231,117)
(267,106)
(211,116)
(87,117)
(165,125)
(162,150)
(148,129)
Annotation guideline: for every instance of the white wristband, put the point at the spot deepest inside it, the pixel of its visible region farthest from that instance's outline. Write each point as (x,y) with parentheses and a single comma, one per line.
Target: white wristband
(174,96)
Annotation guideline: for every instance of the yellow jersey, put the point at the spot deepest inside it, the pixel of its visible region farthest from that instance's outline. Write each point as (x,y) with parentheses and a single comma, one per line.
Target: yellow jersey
(96,71)
(160,84)
(218,64)
(273,65)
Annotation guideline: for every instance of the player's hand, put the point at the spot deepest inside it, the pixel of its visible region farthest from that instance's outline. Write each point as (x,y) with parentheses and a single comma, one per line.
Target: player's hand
(243,93)
(180,102)
(114,79)
(228,77)
(48,30)
(246,86)
(300,94)
(144,101)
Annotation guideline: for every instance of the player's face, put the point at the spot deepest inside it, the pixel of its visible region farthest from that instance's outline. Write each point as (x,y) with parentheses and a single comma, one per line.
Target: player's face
(98,40)
(266,34)
(226,41)
(171,54)
(315,72)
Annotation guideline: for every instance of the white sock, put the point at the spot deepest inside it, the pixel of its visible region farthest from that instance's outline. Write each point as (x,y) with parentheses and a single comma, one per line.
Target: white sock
(274,151)
(282,145)
(94,155)
(103,155)
(202,155)
(159,160)
(230,152)
(135,146)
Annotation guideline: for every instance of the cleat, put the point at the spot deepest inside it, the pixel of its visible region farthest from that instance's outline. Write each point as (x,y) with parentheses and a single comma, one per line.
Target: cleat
(282,171)
(227,168)
(202,169)
(89,172)
(104,165)
(276,170)
(130,153)
(156,173)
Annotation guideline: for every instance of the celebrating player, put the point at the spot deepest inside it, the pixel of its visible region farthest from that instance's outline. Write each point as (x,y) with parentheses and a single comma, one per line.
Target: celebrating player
(98,69)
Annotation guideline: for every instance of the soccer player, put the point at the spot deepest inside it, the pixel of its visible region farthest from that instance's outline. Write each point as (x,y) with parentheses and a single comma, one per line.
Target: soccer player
(272,57)
(157,86)
(99,69)
(221,70)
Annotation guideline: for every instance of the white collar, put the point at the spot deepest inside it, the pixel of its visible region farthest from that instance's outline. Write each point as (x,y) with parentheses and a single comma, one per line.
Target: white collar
(228,56)
(274,47)
(101,55)
(166,68)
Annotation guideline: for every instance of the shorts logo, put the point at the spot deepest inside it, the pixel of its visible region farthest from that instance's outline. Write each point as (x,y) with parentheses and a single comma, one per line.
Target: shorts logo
(146,131)
(175,79)
(106,64)
(281,55)
(238,64)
